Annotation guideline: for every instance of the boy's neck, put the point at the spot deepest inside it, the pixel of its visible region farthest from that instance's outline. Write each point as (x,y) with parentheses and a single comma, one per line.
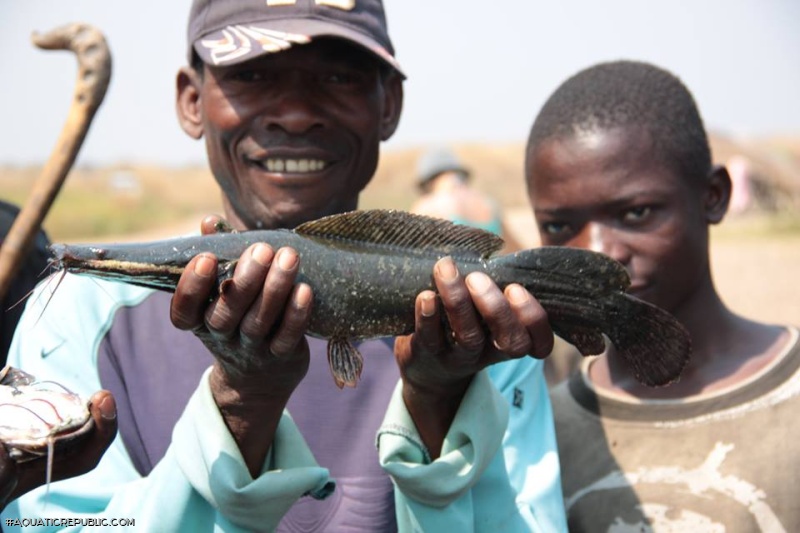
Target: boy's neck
(726,350)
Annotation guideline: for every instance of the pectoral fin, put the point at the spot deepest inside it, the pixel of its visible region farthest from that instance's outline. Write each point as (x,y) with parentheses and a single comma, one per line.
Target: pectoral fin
(345,361)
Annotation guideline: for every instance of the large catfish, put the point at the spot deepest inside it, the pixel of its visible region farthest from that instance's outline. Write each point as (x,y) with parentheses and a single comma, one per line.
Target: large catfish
(367,267)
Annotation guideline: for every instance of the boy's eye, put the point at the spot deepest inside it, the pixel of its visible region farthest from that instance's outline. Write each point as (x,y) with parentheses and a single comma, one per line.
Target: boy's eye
(555,228)
(636,214)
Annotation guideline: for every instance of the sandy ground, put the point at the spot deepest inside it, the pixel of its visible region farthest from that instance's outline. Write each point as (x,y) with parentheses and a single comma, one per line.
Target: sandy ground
(758,278)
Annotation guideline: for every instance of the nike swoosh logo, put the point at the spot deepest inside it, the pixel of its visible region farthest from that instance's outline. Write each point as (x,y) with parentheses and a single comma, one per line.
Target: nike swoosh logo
(49,351)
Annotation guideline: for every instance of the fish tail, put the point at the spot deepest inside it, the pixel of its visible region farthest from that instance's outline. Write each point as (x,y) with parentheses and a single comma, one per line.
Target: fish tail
(643,328)
(584,296)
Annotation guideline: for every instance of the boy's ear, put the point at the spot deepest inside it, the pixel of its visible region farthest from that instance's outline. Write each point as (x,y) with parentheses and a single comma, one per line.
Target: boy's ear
(392,104)
(187,103)
(718,194)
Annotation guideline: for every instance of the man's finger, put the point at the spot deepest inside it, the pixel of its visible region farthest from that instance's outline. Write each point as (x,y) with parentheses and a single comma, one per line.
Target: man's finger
(238,293)
(533,317)
(508,334)
(271,302)
(428,331)
(193,292)
(458,306)
(214,224)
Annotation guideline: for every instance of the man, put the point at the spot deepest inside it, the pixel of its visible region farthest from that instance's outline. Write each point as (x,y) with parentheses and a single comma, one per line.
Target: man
(618,161)
(292,101)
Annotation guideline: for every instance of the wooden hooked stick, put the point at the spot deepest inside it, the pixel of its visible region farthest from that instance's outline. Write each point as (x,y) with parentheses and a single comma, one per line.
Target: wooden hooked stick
(94,73)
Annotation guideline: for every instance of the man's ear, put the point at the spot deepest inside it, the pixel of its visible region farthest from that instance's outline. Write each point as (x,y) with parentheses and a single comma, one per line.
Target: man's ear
(187,103)
(718,194)
(393,104)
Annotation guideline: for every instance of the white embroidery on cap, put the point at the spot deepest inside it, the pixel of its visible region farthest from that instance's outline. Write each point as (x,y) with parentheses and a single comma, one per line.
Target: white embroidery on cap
(345,5)
(238,41)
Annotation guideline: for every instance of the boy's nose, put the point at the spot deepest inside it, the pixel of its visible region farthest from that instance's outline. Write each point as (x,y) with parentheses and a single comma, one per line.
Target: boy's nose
(605,240)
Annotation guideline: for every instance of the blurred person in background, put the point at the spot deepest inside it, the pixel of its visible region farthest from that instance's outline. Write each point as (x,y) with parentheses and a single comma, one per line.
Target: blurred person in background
(446,192)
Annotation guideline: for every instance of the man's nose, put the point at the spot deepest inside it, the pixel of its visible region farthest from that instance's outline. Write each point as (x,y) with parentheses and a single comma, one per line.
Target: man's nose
(605,240)
(294,110)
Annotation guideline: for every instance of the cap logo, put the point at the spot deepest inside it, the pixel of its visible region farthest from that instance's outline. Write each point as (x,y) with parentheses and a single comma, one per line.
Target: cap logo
(346,5)
(238,41)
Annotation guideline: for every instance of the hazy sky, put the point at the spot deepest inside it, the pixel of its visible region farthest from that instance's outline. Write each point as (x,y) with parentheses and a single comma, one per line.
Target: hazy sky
(478,70)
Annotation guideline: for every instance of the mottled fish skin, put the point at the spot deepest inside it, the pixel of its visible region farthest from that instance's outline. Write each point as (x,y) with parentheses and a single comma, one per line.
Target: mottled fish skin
(367,267)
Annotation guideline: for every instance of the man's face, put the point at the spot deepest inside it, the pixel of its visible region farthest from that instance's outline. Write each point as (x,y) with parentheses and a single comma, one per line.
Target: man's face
(605,190)
(295,135)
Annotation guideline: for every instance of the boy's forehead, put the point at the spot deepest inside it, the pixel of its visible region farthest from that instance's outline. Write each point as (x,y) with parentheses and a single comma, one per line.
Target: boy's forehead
(605,165)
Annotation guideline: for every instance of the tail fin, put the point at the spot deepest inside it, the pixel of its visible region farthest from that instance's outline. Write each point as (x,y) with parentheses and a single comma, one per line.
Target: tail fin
(654,345)
(583,293)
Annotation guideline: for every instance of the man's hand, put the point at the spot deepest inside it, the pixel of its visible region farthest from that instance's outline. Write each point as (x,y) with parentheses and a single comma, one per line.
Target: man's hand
(486,326)
(254,325)
(17,479)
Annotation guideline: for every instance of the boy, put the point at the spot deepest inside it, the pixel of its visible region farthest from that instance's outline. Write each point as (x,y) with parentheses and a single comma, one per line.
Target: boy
(618,161)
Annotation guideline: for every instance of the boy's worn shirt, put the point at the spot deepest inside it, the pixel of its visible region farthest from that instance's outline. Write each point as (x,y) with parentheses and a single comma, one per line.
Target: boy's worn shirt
(342,460)
(722,461)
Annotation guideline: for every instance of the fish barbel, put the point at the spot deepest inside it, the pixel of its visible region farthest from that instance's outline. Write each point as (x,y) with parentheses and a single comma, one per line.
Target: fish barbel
(366,269)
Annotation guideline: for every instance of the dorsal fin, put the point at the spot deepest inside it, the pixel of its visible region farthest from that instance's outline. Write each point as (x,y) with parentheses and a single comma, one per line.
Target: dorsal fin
(399,229)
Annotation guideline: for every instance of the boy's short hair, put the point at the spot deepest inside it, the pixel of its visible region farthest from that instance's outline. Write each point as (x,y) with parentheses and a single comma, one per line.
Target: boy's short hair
(227,32)
(624,94)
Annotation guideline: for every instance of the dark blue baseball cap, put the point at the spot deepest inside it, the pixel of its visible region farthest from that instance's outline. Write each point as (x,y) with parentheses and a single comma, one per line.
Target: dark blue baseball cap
(227,32)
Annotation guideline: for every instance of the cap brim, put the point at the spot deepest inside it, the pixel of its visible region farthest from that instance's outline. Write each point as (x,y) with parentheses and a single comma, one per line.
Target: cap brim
(236,44)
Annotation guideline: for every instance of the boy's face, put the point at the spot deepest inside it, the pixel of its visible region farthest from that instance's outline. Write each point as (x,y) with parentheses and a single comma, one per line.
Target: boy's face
(295,135)
(606,191)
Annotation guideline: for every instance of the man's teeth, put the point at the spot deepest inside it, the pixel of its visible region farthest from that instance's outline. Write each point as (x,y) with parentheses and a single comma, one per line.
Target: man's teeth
(295,165)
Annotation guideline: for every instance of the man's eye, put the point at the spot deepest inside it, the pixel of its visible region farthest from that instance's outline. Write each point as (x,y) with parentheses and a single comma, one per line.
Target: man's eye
(248,76)
(636,214)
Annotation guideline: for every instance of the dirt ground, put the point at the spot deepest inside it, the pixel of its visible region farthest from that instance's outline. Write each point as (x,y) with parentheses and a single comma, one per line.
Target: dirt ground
(757,277)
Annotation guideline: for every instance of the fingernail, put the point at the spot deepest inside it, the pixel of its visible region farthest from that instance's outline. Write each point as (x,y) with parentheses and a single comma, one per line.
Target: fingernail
(428,305)
(479,282)
(204,266)
(447,269)
(107,408)
(516,294)
(303,296)
(262,253)
(286,259)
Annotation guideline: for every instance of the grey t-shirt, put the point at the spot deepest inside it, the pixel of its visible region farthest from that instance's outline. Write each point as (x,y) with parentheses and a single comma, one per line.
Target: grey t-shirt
(716,462)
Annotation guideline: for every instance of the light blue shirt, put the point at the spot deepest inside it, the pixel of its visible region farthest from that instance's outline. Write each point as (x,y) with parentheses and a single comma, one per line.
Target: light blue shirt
(488,478)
